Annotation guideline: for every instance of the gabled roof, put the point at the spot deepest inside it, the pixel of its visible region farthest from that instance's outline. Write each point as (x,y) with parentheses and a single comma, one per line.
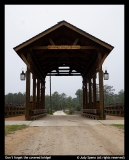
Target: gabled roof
(58,25)
(63,45)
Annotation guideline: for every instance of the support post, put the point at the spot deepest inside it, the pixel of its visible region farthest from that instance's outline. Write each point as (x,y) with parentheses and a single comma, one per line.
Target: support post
(38,92)
(94,91)
(50,94)
(89,93)
(27,94)
(86,93)
(83,96)
(34,92)
(43,96)
(101,93)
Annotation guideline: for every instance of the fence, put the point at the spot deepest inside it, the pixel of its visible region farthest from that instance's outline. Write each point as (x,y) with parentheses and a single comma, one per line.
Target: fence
(16,110)
(111,109)
(13,110)
(115,109)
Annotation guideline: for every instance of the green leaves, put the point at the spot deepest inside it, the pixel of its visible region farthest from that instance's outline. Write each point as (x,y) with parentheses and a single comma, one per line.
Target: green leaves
(12,128)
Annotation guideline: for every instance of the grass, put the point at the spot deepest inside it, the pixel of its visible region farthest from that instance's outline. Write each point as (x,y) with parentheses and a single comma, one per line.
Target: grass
(121,126)
(11,128)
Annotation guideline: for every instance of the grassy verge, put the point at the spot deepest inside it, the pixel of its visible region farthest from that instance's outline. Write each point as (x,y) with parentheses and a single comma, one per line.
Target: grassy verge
(11,128)
(121,126)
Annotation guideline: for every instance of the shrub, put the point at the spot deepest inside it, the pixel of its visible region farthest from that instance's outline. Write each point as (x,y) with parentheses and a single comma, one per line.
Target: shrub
(70,111)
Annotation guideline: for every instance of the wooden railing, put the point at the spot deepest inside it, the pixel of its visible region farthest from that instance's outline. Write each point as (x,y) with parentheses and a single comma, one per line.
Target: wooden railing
(90,113)
(37,113)
(12,110)
(115,109)
(16,110)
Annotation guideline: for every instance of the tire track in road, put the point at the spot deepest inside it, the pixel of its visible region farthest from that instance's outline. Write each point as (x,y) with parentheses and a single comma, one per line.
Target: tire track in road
(69,135)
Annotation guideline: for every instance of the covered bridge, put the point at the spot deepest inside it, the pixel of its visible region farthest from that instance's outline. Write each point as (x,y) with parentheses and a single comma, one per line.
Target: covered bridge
(64,50)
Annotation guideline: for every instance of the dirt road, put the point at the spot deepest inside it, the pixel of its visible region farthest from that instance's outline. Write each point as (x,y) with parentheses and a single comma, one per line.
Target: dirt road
(80,138)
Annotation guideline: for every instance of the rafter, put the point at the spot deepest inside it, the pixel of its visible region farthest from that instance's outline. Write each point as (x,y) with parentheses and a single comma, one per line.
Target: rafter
(102,60)
(51,41)
(76,40)
(89,64)
(25,60)
(30,59)
(34,59)
(71,74)
(63,55)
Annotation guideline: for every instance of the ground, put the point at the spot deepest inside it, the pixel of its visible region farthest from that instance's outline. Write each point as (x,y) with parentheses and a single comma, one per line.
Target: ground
(76,136)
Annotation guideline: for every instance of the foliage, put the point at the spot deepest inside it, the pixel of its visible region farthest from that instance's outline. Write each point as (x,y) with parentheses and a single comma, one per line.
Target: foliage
(121,126)
(110,97)
(70,111)
(78,108)
(79,94)
(10,128)
(16,98)
(63,102)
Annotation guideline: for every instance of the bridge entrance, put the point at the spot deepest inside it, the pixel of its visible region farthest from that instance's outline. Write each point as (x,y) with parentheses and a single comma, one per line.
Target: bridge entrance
(64,50)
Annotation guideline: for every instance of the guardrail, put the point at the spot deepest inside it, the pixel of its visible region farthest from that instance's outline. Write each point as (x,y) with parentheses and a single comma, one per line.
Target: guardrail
(12,110)
(90,113)
(37,113)
(16,110)
(117,109)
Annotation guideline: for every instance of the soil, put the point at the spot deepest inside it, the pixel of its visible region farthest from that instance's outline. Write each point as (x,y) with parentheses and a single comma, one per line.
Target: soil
(88,139)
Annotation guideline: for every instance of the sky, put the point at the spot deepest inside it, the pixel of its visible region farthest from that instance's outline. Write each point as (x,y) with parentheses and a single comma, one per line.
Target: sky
(22,22)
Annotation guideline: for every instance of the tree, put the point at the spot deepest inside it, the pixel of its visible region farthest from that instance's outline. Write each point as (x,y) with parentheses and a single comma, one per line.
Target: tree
(69,102)
(121,96)
(108,94)
(79,94)
(47,101)
(55,100)
(63,98)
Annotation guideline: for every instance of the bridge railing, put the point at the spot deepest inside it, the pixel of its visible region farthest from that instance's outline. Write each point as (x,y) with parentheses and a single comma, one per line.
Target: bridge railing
(91,113)
(13,110)
(37,113)
(114,109)
(111,109)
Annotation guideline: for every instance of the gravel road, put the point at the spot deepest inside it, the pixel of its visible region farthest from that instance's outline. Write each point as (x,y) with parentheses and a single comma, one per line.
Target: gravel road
(78,138)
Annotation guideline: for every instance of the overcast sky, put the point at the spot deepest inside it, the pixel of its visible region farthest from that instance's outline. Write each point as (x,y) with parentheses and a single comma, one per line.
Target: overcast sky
(105,22)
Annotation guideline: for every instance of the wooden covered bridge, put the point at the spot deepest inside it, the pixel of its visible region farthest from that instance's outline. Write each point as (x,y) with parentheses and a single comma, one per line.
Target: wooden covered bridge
(64,50)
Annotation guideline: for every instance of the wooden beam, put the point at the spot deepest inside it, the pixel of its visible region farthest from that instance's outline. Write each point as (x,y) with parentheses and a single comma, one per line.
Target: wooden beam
(102,60)
(83,56)
(83,96)
(64,47)
(101,92)
(51,41)
(94,91)
(89,36)
(42,95)
(86,95)
(89,64)
(38,92)
(37,37)
(63,74)
(88,47)
(75,42)
(34,92)
(34,59)
(90,100)
(25,60)
(29,58)
(27,94)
